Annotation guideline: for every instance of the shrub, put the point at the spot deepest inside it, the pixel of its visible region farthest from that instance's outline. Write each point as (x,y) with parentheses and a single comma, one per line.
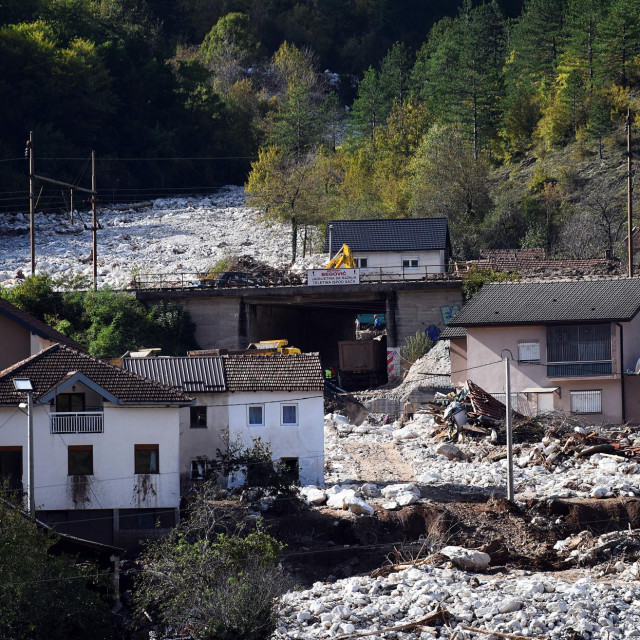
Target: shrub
(473,280)
(416,346)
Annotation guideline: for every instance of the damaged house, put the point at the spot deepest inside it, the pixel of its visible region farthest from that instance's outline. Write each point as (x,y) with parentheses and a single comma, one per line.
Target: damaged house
(574,346)
(278,398)
(104,446)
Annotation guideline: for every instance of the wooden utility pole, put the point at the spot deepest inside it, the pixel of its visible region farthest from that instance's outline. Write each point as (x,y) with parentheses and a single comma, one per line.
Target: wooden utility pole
(94,220)
(32,204)
(629,197)
(507,385)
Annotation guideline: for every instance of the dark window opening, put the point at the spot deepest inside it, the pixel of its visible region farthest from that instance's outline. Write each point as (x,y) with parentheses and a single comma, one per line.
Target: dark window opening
(198,417)
(80,460)
(70,402)
(147,458)
(11,468)
(579,350)
(146,519)
(290,468)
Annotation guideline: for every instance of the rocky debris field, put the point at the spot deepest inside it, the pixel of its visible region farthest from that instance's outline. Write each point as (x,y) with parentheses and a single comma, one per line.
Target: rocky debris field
(403,605)
(171,236)
(562,562)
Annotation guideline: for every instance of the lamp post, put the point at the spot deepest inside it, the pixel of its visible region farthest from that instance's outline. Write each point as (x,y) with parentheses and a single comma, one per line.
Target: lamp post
(330,241)
(24,385)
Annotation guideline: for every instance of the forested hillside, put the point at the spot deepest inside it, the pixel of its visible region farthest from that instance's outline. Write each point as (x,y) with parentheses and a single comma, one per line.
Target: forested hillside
(508,117)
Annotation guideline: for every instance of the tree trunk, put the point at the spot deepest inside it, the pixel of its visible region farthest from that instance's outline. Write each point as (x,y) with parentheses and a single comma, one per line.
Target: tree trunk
(294,239)
(304,242)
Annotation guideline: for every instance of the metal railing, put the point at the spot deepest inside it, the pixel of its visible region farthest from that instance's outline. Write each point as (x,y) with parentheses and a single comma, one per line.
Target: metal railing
(77,422)
(248,279)
(579,369)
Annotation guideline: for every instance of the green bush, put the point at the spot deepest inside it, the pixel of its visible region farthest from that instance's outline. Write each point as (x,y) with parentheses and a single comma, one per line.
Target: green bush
(473,280)
(416,346)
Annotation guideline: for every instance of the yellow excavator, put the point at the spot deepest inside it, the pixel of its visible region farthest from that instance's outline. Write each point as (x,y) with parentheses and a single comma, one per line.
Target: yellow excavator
(342,260)
(271,347)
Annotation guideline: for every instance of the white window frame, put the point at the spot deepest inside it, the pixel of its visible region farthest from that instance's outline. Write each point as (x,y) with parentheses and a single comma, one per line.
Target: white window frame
(252,406)
(359,262)
(410,260)
(586,401)
(527,348)
(204,463)
(289,424)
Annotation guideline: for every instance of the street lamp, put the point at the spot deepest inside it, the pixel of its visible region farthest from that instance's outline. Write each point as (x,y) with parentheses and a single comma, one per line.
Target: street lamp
(330,241)
(24,385)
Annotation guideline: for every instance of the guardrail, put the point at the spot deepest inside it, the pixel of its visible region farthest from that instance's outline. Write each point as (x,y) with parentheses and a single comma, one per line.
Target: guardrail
(244,279)
(77,422)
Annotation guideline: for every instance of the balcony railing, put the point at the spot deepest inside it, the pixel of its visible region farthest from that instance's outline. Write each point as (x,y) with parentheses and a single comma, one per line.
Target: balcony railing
(77,422)
(579,369)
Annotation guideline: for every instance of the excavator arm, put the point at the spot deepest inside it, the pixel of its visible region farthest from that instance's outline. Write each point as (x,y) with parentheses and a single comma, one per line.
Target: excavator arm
(343,259)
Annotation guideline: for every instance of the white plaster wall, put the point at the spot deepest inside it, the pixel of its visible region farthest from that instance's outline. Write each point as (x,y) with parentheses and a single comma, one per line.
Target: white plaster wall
(304,441)
(198,442)
(114,485)
(391,262)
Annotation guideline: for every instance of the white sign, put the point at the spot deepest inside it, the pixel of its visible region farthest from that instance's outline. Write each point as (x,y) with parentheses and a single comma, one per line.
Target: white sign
(316,277)
(394,368)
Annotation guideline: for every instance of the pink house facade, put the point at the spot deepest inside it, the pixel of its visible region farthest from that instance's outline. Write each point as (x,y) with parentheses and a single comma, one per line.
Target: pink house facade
(574,346)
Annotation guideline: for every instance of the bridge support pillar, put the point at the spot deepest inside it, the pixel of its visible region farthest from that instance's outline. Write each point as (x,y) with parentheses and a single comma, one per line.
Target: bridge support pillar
(390,318)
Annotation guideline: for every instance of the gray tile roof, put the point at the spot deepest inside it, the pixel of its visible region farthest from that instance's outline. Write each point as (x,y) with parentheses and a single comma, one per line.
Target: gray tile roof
(401,234)
(51,366)
(606,300)
(36,326)
(299,372)
(192,375)
(451,333)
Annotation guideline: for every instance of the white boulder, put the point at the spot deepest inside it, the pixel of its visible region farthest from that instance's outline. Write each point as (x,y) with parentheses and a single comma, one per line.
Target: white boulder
(467,559)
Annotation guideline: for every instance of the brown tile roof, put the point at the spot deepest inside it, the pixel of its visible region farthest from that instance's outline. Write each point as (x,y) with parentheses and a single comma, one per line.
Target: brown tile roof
(51,366)
(36,326)
(299,372)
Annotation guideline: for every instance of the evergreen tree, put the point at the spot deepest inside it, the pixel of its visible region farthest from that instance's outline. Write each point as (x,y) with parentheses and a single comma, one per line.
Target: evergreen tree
(395,73)
(370,107)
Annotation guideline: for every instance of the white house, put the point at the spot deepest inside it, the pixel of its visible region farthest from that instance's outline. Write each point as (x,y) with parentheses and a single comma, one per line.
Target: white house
(105,445)
(279,398)
(392,249)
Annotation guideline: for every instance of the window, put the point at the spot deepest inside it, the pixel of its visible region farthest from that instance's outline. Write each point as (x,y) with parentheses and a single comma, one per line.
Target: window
(586,401)
(200,468)
(409,263)
(70,402)
(579,350)
(289,414)
(528,351)
(11,467)
(198,417)
(80,460)
(147,458)
(362,263)
(256,415)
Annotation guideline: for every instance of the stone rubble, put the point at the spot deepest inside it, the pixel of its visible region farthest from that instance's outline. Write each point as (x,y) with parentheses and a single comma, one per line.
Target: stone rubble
(522,603)
(173,236)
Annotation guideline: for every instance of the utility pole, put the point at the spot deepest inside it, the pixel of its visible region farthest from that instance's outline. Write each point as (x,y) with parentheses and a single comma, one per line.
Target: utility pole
(629,197)
(71,205)
(94,220)
(507,384)
(32,204)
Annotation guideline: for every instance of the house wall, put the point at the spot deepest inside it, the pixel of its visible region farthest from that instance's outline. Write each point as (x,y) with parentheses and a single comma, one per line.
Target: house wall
(391,262)
(198,442)
(304,441)
(113,485)
(15,345)
(485,345)
(458,358)
(39,343)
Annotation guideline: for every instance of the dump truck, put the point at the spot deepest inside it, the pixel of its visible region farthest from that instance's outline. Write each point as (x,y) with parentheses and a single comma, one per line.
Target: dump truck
(363,363)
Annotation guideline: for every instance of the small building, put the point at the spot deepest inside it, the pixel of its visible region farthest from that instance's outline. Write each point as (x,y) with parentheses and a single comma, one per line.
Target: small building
(22,335)
(279,398)
(104,444)
(574,346)
(392,249)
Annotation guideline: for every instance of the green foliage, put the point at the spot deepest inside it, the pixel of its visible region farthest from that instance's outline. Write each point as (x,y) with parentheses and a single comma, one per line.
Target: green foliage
(44,594)
(416,346)
(214,582)
(475,278)
(107,322)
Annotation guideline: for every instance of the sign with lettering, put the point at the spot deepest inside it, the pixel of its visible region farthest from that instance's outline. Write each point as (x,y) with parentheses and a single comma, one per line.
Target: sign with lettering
(317,277)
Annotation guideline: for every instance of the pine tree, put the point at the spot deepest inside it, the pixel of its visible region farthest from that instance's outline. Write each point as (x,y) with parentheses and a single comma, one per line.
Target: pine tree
(369,108)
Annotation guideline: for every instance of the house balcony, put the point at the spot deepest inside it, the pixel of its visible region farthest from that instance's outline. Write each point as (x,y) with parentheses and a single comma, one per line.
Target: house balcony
(77,422)
(594,369)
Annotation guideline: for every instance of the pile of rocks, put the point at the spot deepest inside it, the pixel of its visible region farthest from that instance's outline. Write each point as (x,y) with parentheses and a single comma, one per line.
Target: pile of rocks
(520,603)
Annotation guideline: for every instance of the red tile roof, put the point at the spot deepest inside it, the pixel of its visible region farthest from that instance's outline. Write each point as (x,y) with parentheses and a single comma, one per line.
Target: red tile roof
(298,372)
(51,366)
(36,326)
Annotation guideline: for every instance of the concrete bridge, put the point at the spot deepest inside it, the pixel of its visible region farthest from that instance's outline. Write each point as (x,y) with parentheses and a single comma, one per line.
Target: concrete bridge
(313,318)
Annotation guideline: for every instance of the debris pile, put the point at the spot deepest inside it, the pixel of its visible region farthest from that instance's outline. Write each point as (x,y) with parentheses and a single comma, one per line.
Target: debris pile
(274,276)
